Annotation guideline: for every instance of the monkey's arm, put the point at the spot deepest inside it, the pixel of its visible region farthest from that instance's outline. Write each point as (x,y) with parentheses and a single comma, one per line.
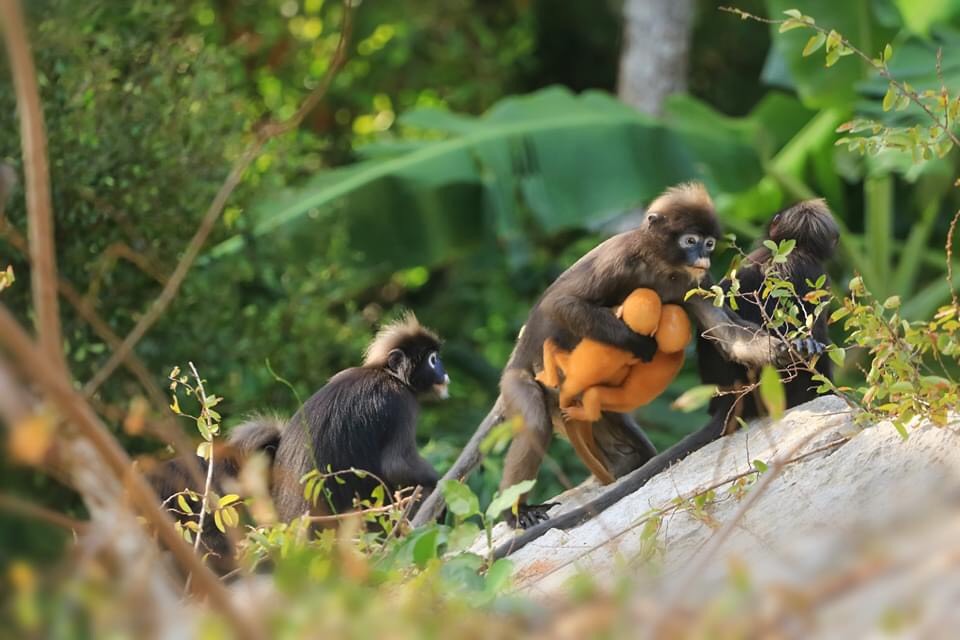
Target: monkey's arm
(585,319)
(738,340)
(627,485)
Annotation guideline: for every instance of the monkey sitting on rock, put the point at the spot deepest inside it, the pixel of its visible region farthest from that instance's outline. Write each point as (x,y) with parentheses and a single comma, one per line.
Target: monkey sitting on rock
(812,226)
(606,378)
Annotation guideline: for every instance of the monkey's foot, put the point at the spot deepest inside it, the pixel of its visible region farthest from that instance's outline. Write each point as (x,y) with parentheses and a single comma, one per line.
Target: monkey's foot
(529,514)
(579,414)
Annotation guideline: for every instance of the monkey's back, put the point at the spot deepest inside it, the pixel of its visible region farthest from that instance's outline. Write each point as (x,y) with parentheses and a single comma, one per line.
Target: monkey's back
(344,425)
(605,276)
(715,369)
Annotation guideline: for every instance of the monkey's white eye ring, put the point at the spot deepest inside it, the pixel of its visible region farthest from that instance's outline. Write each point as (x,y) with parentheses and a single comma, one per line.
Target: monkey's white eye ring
(433,360)
(689,239)
(710,243)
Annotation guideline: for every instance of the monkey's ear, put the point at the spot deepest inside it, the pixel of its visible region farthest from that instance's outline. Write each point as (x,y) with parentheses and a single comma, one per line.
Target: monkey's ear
(395,360)
(654,218)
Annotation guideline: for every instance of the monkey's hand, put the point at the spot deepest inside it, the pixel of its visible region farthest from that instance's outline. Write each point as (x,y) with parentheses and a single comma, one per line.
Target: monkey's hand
(804,348)
(643,347)
(529,515)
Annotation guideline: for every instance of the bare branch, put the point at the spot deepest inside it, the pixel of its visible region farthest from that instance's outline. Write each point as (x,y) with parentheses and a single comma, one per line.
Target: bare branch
(43,272)
(20,507)
(75,410)
(263,135)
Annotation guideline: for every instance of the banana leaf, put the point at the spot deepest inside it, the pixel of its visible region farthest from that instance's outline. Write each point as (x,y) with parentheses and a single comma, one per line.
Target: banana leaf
(549,161)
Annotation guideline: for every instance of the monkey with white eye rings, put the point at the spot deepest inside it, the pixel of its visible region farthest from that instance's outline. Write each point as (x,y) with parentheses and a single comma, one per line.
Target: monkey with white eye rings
(669,253)
(812,226)
(364,418)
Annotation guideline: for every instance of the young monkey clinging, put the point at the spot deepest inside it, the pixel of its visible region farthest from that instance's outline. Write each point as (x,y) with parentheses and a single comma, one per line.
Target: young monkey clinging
(606,378)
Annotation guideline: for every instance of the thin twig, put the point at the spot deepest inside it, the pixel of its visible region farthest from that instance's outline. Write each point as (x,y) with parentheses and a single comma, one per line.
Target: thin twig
(21,507)
(879,67)
(208,483)
(43,260)
(263,135)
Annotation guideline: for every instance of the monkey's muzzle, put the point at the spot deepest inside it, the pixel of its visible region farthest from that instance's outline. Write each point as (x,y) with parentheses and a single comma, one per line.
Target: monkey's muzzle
(698,268)
(443,389)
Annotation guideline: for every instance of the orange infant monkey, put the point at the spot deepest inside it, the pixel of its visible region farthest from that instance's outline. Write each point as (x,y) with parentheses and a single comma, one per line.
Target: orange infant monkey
(610,379)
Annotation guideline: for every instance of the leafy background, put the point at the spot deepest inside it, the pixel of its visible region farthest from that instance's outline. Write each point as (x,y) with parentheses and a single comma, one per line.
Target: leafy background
(468,152)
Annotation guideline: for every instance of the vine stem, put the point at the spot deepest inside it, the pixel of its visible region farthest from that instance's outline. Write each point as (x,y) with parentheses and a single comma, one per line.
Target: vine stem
(208,483)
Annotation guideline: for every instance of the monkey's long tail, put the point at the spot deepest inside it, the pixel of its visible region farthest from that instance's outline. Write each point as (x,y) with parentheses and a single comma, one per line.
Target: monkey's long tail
(626,486)
(469,460)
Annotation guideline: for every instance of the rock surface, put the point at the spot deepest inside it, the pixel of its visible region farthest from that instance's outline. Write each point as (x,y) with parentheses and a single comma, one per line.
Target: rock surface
(860,522)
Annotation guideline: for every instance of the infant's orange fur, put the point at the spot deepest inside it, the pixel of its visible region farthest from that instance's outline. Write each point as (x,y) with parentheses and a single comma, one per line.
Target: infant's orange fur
(611,379)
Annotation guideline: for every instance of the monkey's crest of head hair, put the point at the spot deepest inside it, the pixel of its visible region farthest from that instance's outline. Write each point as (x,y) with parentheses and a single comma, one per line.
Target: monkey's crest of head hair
(685,196)
(687,205)
(811,224)
(403,332)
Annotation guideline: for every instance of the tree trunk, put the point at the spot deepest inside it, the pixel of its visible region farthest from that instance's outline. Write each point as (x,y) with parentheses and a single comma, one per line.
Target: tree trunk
(653,63)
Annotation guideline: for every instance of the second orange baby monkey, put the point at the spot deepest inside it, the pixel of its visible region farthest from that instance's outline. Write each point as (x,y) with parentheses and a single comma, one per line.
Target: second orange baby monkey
(610,379)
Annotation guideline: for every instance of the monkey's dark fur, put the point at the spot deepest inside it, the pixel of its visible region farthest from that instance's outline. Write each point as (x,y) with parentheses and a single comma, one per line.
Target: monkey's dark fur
(811,224)
(669,253)
(364,418)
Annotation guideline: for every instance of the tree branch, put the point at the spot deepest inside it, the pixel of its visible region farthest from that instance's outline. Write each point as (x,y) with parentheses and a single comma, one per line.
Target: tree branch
(43,272)
(75,410)
(263,135)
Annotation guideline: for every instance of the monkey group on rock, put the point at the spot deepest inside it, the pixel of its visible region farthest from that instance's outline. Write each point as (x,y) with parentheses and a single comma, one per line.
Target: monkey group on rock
(607,336)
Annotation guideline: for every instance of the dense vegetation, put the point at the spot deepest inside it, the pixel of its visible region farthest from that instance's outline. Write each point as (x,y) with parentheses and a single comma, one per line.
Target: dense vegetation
(466,154)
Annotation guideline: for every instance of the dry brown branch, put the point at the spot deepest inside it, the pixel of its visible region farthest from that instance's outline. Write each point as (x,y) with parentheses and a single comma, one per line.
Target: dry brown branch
(165,429)
(43,272)
(263,135)
(21,507)
(77,412)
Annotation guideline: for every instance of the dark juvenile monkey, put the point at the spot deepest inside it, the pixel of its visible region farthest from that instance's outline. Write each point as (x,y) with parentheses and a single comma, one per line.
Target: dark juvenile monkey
(811,224)
(364,418)
(669,253)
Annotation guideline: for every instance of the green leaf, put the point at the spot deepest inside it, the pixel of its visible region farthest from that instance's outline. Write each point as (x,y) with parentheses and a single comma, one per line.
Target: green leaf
(793,13)
(694,398)
(507,498)
(553,159)
(815,42)
(832,56)
(425,547)
(790,24)
(498,576)
(227,500)
(204,449)
(459,498)
(183,504)
(218,520)
(462,536)
(760,466)
(887,53)
(836,355)
(772,392)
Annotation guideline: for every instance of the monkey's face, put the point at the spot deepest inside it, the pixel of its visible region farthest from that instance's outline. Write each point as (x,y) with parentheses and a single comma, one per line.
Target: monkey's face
(430,376)
(696,250)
